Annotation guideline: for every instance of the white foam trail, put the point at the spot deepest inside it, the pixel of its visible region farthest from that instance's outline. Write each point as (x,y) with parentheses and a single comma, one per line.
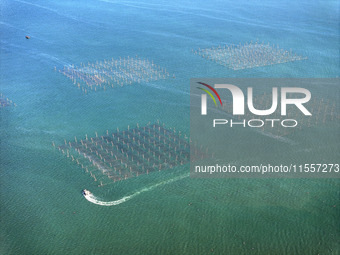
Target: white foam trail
(167,88)
(92,160)
(11,26)
(201,13)
(53,59)
(32,53)
(95,200)
(276,137)
(56,12)
(46,8)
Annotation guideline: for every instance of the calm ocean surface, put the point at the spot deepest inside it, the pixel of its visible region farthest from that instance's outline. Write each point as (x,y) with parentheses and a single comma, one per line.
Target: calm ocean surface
(42,208)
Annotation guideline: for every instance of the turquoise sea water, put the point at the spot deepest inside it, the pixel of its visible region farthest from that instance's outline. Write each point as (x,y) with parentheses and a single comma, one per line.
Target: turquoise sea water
(42,209)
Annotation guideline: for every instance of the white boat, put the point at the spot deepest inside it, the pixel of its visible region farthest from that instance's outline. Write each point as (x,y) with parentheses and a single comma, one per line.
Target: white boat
(86,192)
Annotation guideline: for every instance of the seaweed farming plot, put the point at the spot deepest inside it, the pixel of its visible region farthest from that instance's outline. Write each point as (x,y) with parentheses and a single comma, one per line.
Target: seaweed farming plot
(124,154)
(323,111)
(5,102)
(248,55)
(115,72)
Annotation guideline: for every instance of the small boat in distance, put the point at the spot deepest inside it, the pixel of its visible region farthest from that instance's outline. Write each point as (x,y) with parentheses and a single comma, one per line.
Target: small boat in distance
(86,192)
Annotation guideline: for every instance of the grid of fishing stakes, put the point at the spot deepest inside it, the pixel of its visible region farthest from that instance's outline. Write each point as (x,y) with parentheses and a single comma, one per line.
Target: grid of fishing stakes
(323,111)
(248,55)
(130,153)
(5,102)
(114,72)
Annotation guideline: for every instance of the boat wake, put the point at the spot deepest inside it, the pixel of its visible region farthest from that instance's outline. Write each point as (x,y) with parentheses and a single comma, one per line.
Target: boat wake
(277,137)
(96,200)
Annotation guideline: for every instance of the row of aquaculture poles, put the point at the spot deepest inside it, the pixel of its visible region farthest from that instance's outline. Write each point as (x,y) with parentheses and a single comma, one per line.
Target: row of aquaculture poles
(129,153)
(248,55)
(115,72)
(5,101)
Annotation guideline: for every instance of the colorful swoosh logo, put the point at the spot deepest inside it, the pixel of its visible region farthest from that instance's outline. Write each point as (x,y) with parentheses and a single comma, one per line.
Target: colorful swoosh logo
(209,93)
